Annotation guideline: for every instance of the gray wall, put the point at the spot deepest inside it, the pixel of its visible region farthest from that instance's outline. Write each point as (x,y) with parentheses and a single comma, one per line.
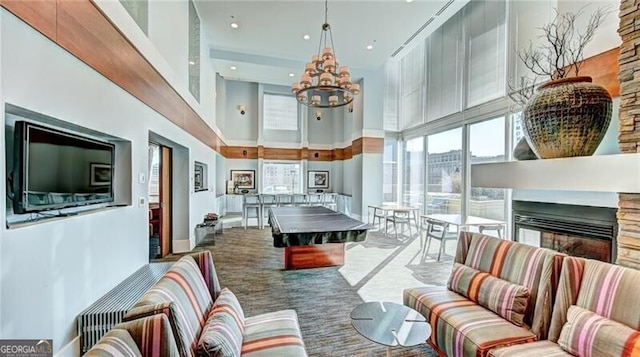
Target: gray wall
(237,126)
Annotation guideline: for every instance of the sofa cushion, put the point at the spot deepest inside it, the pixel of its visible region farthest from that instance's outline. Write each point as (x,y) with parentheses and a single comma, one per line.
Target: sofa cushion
(544,348)
(502,297)
(588,334)
(189,301)
(537,269)
(114,343)
(222,333)
(460,327)
(611,291)
(273,334)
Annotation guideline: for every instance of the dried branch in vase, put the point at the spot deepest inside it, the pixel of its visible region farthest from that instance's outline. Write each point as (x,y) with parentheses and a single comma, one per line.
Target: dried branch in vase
(562,50)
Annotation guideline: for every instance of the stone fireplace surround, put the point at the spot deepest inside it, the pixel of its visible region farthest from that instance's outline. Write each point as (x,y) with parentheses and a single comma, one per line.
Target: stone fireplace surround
(628,240)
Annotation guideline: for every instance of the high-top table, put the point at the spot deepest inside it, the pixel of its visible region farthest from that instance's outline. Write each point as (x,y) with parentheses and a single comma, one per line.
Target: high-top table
(390,324)
(313,236)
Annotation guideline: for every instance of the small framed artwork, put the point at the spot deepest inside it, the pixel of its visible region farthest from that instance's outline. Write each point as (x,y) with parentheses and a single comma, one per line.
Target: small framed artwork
(318,179)
(99,174)
(244,179)
(200,177)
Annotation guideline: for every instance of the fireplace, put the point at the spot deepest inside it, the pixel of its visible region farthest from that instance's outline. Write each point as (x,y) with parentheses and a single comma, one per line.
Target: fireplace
(582,231)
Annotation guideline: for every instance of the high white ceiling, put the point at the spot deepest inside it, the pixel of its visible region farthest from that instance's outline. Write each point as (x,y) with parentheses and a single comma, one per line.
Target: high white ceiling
(269,44)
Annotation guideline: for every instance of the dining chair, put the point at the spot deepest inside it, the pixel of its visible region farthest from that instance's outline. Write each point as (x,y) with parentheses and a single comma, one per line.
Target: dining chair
(492,227)
(437,230)
(401,218)
(251,202)
(380,215)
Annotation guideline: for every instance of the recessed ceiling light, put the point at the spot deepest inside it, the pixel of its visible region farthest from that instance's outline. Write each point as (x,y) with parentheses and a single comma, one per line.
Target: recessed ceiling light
(191,63)
(291,74)
(369,47)
(306,37)
(409,1)
(234,25)
(233,68)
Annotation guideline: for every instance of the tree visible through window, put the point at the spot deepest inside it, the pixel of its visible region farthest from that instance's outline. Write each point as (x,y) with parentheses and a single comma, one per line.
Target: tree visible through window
(280,112)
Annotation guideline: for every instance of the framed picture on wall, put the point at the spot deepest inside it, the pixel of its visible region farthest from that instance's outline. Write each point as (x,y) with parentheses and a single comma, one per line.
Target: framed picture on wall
(318,179)
(100,174)
(200,177)
(244,179)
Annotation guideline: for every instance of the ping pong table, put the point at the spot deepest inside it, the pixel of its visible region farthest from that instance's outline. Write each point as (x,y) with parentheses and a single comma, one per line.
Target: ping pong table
(313,236)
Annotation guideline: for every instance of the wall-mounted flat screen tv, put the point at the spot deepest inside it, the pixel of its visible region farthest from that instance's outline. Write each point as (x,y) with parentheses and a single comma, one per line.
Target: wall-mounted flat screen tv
(53,169)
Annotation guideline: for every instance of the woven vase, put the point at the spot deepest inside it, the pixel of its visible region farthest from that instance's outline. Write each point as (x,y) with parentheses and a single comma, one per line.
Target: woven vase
(567,117)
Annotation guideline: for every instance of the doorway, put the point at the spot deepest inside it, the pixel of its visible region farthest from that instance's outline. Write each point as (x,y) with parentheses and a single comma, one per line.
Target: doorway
(160,219)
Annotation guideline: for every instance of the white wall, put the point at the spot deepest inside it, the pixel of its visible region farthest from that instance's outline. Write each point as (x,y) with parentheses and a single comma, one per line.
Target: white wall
(50,271)
(237,126)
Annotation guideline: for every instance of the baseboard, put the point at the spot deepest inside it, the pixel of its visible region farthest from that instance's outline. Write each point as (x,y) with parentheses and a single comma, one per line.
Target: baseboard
(71,349)
(184,245)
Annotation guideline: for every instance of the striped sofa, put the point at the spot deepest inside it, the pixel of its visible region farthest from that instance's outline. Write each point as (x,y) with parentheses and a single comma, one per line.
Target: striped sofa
(596,313)
(500,293)
(186,313)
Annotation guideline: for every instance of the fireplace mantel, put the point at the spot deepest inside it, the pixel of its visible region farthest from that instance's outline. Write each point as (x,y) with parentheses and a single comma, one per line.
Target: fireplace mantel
(600,173)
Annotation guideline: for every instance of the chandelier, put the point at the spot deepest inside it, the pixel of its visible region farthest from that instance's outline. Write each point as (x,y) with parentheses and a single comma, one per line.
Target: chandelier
(324,83)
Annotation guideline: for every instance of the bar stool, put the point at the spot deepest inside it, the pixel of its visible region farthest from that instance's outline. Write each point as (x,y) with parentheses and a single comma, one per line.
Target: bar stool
(330,200)
(285,200)
(299,199)
(249,203)
(314,199)
(267,201)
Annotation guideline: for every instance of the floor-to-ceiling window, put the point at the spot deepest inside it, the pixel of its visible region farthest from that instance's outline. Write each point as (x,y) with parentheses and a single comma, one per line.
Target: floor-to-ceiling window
(413,178)
(281,177)
(390,171)
(444,172)
(487,144)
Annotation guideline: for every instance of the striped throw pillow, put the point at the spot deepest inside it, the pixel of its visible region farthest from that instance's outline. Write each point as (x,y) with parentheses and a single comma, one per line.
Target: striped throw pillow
(500,296)
(588,334)
(222,333)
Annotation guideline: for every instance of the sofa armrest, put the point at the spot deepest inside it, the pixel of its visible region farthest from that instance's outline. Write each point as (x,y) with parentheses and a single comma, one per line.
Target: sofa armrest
(208,270)
(547,289)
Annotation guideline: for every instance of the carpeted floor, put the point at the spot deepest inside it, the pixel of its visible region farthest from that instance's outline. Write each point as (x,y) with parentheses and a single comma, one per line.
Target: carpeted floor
(249,265)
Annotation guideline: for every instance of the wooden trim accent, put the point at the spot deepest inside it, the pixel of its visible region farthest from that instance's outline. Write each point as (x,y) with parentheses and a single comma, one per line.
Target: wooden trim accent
(338,154)
(240,152)
(314,256)
(282,154)
(348,152)
(356,146)
(80,28)
(319,155)
(372,145)
(39,14)
(603,68)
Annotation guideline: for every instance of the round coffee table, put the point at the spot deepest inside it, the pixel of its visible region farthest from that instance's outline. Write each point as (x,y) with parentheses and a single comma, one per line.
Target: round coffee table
(390,324)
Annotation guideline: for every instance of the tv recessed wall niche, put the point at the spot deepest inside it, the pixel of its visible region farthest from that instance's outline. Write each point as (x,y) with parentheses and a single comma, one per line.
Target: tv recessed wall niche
(54,169)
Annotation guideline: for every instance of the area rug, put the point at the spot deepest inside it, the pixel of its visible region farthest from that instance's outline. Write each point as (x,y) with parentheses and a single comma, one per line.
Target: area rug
(249,265)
